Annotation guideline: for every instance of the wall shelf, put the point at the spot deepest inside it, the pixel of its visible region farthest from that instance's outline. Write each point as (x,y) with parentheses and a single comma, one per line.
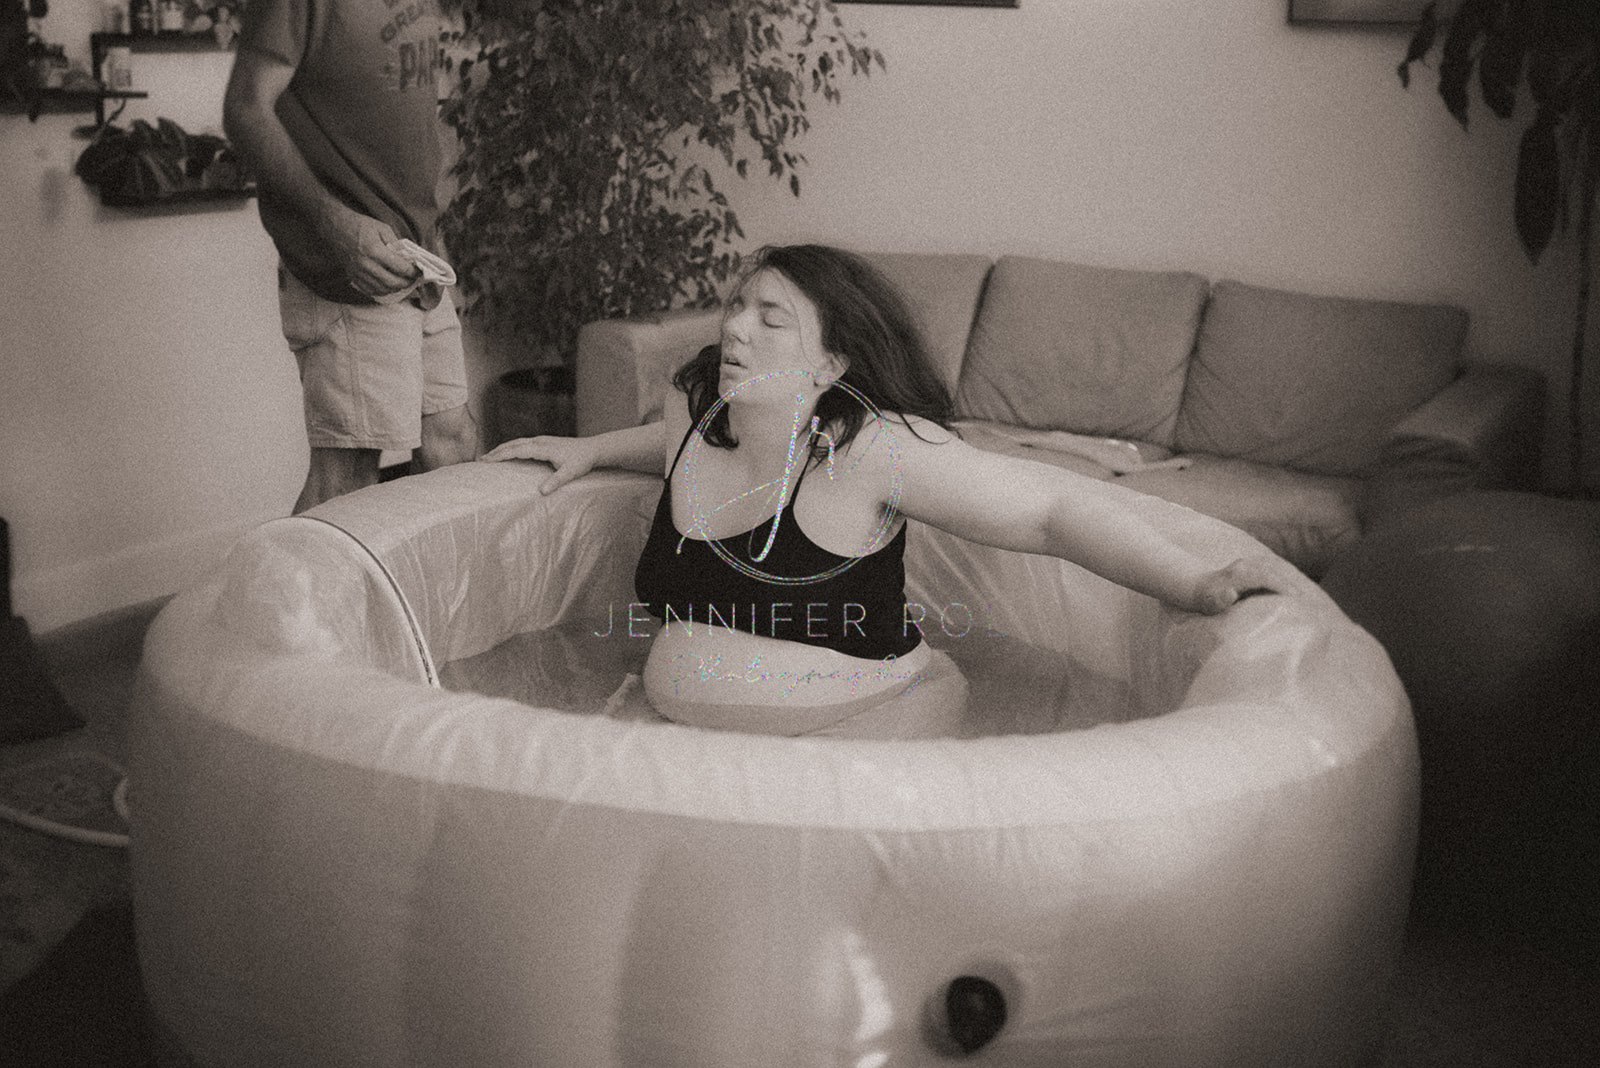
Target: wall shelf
(158,42)
(181,200)
(65,101)
(100,43)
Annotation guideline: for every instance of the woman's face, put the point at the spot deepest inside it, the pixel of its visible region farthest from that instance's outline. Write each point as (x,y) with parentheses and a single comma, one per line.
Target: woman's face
(772,340)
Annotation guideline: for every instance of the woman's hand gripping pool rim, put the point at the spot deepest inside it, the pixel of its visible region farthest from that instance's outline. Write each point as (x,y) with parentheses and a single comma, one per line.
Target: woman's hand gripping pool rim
(637,448)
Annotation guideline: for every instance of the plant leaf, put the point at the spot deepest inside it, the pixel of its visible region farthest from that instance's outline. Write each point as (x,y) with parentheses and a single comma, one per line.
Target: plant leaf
(1538,191)
(1456,57)
(574,200)
(1500,66)
(1421,43)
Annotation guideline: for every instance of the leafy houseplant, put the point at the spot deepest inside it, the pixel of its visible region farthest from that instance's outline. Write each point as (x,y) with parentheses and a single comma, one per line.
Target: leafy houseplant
(1555,44)
(583,192)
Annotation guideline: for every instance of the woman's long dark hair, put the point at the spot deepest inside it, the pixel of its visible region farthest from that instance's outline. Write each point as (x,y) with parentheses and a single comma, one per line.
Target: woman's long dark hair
(865,320)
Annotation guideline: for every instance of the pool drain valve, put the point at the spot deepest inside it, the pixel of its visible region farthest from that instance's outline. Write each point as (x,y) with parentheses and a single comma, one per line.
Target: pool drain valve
(972,1014)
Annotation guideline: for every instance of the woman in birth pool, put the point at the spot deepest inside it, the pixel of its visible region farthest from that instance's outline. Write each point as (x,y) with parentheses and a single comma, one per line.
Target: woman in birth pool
(793,453)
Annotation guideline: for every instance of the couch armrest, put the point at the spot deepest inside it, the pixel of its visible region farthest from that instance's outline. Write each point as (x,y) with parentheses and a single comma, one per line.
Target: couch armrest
(623,365)
(1483,431)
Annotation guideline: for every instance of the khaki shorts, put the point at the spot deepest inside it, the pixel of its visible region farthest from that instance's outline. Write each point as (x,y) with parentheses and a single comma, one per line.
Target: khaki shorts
(370,372)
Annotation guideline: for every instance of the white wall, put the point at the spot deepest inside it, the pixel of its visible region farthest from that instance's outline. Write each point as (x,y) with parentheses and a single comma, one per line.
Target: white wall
(149,409)
(149,412)
(145,417)
(1207,135)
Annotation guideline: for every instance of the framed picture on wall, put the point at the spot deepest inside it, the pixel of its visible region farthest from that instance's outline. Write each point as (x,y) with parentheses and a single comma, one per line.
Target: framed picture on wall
(1357,12)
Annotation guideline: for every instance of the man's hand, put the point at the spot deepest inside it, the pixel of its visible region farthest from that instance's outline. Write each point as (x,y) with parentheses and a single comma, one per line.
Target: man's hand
(368,250)
(571,457)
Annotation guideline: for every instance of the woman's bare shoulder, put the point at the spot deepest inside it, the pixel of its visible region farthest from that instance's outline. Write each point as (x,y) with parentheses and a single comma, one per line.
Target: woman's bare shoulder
(887,446)
(675,422)
(925,430)
(891,434)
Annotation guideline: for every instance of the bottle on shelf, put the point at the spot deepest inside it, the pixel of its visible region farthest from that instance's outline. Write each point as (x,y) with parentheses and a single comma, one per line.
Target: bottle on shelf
(142,18)
(113,16)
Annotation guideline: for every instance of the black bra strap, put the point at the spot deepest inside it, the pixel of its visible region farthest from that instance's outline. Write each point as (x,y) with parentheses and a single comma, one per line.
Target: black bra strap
(679,454)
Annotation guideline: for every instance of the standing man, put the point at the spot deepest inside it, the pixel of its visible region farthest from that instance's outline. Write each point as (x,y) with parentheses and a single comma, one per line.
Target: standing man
(332,105)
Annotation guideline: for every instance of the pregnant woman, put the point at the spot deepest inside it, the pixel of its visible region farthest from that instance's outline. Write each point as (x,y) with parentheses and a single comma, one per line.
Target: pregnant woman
(793,453)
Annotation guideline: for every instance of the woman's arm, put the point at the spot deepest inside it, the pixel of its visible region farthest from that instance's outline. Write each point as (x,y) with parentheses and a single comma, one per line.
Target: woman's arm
(1018,504)
(634,448)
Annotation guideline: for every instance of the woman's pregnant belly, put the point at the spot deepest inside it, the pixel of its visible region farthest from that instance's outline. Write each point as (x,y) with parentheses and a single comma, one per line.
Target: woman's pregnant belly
(689,670)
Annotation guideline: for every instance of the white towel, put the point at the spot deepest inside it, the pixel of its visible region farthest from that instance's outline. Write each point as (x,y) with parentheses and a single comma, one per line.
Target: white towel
(1117,454)
(430,267)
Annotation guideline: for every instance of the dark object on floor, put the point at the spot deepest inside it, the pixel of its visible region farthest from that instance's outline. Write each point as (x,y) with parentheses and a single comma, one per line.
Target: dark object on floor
(1489,605)
(72,796)
(30,705)
(85,1006)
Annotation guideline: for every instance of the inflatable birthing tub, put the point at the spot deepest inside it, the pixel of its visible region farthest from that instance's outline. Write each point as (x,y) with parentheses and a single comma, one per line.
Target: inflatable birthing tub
(388,809)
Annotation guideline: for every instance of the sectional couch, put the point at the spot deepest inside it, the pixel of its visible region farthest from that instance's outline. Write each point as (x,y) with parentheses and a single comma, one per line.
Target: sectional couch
(1304,420)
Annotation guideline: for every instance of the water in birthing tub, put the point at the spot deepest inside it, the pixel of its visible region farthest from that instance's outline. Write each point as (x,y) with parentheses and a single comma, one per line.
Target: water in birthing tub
(1015,687)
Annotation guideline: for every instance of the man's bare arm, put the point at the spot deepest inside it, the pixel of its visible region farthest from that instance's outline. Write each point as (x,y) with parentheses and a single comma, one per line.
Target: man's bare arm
(362,244)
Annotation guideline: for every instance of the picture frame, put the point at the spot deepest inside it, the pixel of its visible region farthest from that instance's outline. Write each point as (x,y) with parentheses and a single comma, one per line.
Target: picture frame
(1399,13)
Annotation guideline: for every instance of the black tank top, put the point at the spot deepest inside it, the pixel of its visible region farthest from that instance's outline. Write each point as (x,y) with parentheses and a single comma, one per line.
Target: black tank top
(856,609)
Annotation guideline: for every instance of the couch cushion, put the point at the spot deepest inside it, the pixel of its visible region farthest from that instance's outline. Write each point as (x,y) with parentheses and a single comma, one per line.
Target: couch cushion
(1312,382)
(1093,350)
(942,292)
(624,364)
(1305,518)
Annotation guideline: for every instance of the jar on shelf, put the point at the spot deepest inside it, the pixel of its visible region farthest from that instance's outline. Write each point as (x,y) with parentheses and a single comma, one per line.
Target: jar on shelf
(49,66)
(171,19)
(117,68)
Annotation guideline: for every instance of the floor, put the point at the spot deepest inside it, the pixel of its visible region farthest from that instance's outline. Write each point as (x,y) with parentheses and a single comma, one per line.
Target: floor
(70,993)
(69,986)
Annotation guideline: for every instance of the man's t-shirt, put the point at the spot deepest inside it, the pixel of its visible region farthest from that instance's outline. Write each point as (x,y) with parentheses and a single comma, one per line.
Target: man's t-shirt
(363,110)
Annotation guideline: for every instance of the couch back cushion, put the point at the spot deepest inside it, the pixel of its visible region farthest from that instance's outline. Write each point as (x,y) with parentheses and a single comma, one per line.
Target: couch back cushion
(624,365)
(941,292)
(1093,350)
(1310,382)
